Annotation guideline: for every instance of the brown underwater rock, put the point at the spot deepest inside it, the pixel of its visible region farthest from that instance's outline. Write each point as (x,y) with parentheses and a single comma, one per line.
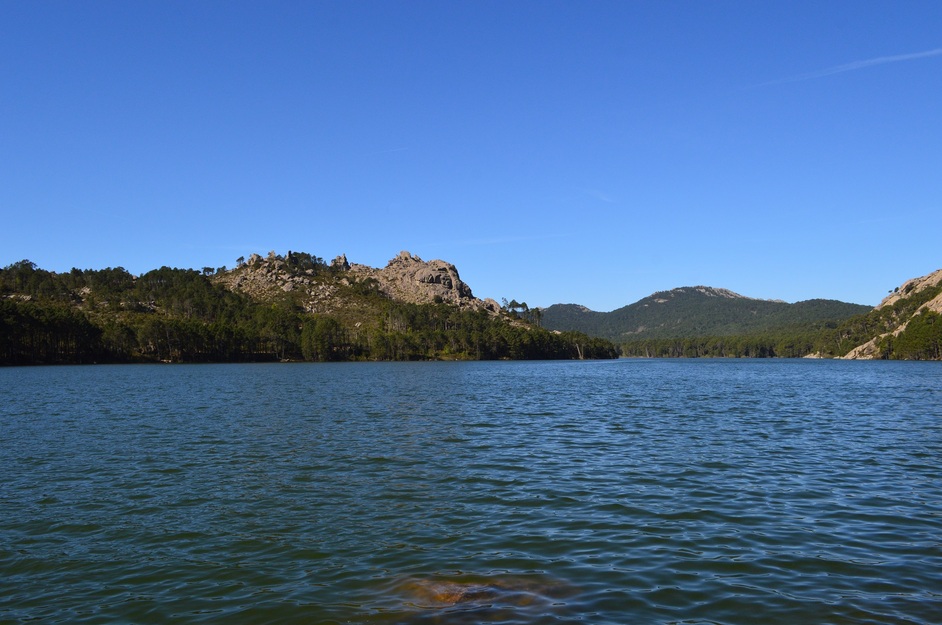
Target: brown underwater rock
(431,593)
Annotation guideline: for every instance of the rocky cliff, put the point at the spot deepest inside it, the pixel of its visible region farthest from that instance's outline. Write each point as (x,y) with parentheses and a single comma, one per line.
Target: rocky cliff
(325,288)
(263,278)
(896,299)
(408,278)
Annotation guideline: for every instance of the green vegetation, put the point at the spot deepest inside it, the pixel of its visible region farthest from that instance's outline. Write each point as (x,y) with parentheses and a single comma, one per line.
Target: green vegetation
(745,346)
(184,315)
(861,328)
(697,322)
(921,340)
(693,312)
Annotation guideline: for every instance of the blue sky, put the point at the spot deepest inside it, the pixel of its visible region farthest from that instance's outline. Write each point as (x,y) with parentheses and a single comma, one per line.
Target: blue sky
(578,152)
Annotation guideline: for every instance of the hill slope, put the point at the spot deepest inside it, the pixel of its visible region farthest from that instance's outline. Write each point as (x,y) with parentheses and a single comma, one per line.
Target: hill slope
(907,324)
(695,312)
(292,307)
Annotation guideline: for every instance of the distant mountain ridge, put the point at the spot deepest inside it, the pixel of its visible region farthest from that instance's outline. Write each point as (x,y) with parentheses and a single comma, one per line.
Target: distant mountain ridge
(693,311)
(298,306)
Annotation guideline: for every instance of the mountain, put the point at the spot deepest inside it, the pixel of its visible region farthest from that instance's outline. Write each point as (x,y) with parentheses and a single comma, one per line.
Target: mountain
(324,289)
(299,307)
(907,324)
(291,307)
(696,312)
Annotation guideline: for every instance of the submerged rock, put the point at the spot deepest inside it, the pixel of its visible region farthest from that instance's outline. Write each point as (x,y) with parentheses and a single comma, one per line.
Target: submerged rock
(480,598)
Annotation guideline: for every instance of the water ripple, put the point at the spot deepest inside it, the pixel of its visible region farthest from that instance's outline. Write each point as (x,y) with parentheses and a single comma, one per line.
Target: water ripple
(624,492)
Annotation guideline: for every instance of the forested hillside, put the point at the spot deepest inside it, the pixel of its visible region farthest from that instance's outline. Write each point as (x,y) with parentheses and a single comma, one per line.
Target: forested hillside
(690,312)
(298,307)
(185,315)
(906,325)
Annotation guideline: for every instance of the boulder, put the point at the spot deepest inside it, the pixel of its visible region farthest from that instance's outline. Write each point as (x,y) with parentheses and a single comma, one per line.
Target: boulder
(409,278)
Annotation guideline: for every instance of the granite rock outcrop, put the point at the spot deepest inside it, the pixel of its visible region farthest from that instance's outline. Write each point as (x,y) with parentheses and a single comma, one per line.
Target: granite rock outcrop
(871,349)
(406,278)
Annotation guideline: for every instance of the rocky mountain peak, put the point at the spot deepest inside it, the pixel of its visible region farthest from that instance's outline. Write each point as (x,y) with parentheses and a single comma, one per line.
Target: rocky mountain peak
(405,278)
(913,286)
(408,278)
(661,297)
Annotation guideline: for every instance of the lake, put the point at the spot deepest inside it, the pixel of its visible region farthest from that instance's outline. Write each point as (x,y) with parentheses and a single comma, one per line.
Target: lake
(615,492)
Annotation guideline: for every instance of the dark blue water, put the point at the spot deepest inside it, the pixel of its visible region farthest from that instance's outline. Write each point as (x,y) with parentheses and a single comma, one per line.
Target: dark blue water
(581,492)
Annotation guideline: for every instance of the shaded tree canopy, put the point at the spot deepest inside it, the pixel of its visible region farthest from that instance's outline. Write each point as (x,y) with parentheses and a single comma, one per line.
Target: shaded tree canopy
(184,315)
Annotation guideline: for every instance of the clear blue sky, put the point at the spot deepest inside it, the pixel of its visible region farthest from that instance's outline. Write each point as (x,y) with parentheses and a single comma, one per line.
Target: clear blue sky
(587,152)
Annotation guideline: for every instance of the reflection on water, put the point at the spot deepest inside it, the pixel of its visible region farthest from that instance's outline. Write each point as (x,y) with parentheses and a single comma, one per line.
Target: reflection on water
(518,493)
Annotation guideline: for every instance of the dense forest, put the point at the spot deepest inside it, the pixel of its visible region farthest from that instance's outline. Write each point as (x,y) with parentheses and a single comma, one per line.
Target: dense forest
(921,339)
(736,346)
(693,312)
(696,322)
(183,315)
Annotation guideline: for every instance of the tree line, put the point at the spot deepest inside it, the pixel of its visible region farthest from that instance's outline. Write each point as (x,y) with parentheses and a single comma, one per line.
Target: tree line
(182,315)
(920,340)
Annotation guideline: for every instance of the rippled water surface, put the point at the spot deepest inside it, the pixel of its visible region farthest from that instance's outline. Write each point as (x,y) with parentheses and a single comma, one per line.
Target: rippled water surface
(594,492)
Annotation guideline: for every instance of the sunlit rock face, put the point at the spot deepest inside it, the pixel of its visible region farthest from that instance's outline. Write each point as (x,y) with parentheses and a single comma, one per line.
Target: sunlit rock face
(913,286)
(408,278)
(871,349)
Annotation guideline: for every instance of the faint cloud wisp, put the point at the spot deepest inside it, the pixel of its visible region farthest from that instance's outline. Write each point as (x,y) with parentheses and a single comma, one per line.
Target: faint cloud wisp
(600,195)
(850,67)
